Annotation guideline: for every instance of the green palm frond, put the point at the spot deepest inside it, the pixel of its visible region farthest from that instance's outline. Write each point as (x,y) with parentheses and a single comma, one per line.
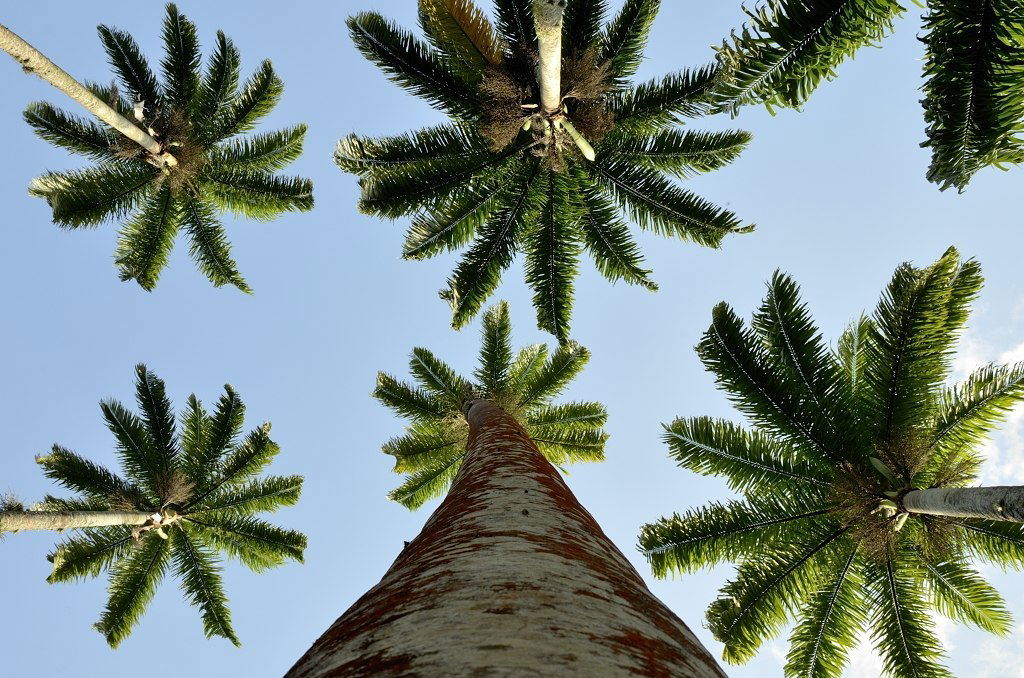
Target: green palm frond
(973,102)
(720,532)
(507,176)
(768,591)
(192,114)
(831,621)
(838,436)
(900,629)
(524,384)
(195,490)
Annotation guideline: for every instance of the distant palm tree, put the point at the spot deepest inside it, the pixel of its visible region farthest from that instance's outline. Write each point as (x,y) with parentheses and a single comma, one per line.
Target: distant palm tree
(184,497)
(548,145)
(175,166)
(856,508)
(510,575)
(434,446)
(974,65)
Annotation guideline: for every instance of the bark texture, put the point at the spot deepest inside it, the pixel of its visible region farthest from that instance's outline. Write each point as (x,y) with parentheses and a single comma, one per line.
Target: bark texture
(509,577)
(990,503)
(17,521)
(36,62)
(548,18)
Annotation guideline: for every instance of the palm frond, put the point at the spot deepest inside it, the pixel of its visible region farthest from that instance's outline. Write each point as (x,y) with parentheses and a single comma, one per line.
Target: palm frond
(582,25)
(768,590)
(564,445)
(422,445)
(973,103)
(791,46)
(995,542)
(515,24)
(606,236)
(200,580)
(831,621)
(87,478)
(900,629)
(625,38)
(411,64)
(256,194)
(131,66)
(718,532)
(960,593)
(208,245)
(463,35)
(682,153)
(220,84)
(495,349)
(181,63)
(366,157)
(751,461)
(428,483)
(267,152)
(479,271)
(439,378)
(145,242)
(74,134)
(133,581)
(580,416)
(658,205)
(553,376)
(241,465)
(552,256)
(136,451)
(650,107)
(256,544)
(262,495)
(406,400)
(90,196)
(88,553)
(258,96)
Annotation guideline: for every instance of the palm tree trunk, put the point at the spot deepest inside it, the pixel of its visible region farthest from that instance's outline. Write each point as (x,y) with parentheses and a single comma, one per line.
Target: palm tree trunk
(990,503)
(17,521)
(34,61)
(548,20)
(510,576)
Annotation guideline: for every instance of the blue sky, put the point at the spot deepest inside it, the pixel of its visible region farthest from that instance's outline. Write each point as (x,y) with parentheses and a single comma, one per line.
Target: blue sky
(838,193)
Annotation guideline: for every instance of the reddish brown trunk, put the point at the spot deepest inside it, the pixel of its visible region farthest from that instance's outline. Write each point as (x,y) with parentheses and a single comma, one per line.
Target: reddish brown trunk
(510,576)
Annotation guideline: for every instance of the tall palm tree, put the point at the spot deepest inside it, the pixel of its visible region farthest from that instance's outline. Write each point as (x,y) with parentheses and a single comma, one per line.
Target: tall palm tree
(548,147)
(185,498)
(974,69)
(856,511)
(510,575)
(178,164)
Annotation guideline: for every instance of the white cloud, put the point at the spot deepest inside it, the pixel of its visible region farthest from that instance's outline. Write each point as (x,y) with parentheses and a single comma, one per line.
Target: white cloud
(1001,657)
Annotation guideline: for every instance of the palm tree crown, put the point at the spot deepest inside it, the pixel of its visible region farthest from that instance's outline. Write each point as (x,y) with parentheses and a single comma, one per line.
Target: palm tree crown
(204,489)
(841,437)
(195,117)
(974,69)
(524,385)
(507,175)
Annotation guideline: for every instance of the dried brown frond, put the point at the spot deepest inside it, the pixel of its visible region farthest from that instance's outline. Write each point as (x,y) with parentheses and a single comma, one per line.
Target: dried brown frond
(583,77)
(856,495)
(502,114)
(9,502)
(174,132)
(906,455)
(938,538)
(175,489)
(122,502)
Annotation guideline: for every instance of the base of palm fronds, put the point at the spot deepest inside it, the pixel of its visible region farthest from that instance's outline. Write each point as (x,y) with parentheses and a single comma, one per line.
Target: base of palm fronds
(174,132)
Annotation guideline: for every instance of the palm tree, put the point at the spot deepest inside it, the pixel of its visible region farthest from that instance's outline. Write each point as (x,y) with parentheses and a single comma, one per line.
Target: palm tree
(177,165)
(184,498)
(856,511)
(974,69)
(510,575)
(549,146)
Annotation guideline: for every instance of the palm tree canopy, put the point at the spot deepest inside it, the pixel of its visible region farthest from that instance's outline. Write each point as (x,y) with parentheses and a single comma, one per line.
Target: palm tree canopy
(503,176)
(974,69)
(201,478)
(838,435)
(524,384)
(197,116)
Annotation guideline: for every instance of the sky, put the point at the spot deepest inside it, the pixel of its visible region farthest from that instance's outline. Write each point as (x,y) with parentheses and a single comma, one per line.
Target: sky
(838,193)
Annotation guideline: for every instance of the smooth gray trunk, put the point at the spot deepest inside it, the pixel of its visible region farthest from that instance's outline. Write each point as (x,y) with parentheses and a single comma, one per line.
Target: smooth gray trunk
(548,19)
(36,62)
(990,503)
(17,521)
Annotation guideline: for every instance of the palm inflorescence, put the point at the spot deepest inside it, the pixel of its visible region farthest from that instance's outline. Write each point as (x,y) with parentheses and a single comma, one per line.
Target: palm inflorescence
(505,176)
(197,118)
(837,433)
(204,487)
(974,69)
(523,384)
